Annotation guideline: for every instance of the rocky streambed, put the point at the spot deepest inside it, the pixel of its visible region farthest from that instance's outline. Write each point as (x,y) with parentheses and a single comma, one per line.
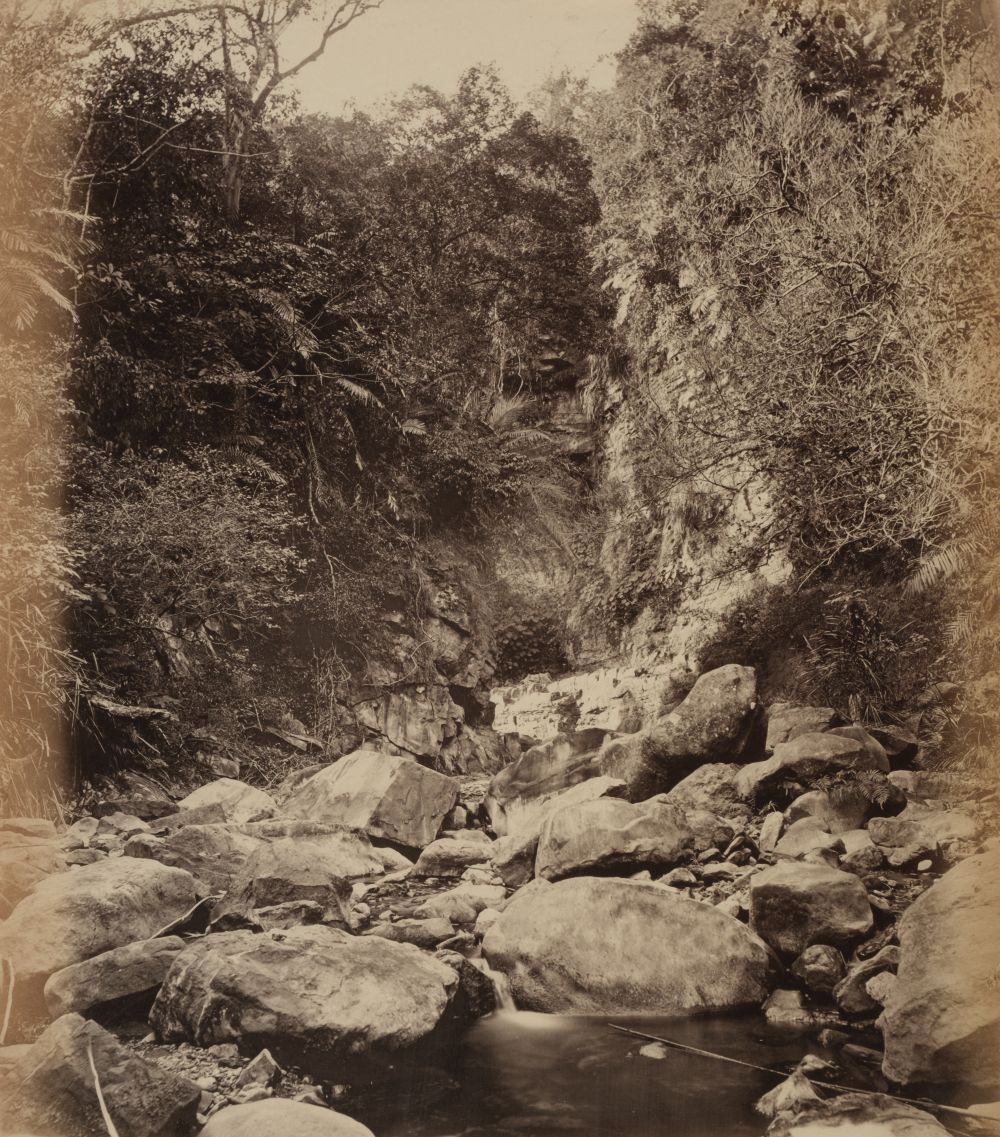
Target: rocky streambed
(759,884)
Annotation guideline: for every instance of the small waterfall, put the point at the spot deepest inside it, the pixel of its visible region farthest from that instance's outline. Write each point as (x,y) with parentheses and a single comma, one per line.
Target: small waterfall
(501,985)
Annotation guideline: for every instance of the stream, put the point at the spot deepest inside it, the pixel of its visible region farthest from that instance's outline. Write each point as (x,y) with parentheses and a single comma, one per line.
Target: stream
(533,1075)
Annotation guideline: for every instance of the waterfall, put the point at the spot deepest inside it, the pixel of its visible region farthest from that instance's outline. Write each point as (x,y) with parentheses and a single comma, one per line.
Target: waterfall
(501,985)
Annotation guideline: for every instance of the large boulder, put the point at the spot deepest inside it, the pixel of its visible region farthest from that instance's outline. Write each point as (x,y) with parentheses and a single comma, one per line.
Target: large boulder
(212,853)
(513,858)
(290,869)
(607,834)
(712,724)
(795,905)
(387,796)
(25,859)
(311,995)
(50,1088)
(667,954)
(124,979)
(711,787)
(541,772)
(278,1117)
(786,721)
(237,801)
(451,856)
(76,915)
(941,1022)
(799,762)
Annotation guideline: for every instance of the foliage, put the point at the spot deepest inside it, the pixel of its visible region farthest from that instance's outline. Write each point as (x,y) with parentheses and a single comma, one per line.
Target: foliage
(802,279)
(38,582)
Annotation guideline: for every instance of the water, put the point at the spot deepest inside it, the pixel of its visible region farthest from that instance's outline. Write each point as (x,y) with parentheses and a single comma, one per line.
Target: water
(521,1074)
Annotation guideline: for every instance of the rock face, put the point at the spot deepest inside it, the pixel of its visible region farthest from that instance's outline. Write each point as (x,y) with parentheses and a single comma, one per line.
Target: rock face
(607,834)
(609,698)
(942,1019)
(711,725)
(238,801)
(278,1117)
(130,973)
(667,954)
(387,796)
(311,995)
(802,760)
(796,905)
(51,1087)
(76,915)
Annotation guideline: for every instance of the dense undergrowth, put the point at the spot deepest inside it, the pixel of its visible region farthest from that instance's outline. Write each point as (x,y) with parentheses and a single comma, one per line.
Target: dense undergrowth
(239,420)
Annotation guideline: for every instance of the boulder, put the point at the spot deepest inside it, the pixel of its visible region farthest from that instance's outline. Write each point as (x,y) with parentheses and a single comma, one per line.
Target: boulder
(935,785)
(37,828)
(920,832)
(238,801)
(448,857)
(713,723)
(838,812)
(538,774)
(770,831)
(425,934)
(25,859)
(608,835)
(805,835)
(50,1089)
(942,1020)
(76,915)
(800,762)
(901,745)
(114,983)
(858,1115)
(786,721)
(388,796)
(347,853)
(795,905)
(293,870)
(711,787)
(278,1117)
(310,995)
(819,968)
(668,955)
(513,858)
(212,853)
(463,904)
(851,994)
(875,751)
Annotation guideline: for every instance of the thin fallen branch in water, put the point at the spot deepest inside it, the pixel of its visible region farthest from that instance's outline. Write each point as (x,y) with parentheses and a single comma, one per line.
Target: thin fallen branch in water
(932,1105)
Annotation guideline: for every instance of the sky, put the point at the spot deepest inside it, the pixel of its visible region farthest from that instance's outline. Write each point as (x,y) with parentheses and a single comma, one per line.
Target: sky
(434,41)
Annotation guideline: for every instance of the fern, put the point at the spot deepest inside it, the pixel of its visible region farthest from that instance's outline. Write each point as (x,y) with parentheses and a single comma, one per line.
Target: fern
(870,785)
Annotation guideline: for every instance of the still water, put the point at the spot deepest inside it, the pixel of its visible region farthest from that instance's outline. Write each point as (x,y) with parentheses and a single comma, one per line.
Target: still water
(530,1075)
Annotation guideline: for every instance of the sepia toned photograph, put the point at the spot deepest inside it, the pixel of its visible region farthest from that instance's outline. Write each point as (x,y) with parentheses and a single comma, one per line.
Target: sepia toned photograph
(499,568)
